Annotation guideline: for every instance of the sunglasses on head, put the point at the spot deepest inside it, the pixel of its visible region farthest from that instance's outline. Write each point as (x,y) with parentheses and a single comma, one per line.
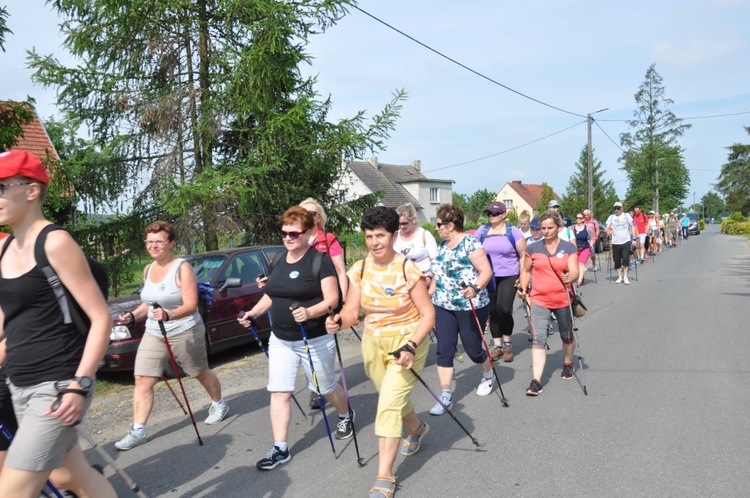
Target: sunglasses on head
(294,235)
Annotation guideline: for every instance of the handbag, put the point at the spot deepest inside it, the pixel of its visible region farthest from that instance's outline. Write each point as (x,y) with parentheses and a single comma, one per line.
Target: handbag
(576,303)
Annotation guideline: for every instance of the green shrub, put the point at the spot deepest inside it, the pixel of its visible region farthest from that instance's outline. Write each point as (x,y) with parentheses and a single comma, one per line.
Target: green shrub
(702,224)
(725,224)
(736,216)
(738,228)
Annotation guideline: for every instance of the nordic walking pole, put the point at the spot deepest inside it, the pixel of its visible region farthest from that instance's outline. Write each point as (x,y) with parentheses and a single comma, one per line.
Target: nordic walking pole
(315,380)
(177,373)
(355,333)
(397,354)
(105,456)
(531,328)
(503,399)
(4,430)
(578,343)
(265,351)
(164,378)
(360,460)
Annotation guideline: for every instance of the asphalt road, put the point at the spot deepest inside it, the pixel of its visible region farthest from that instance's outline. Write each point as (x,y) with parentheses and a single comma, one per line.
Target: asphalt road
(666,412)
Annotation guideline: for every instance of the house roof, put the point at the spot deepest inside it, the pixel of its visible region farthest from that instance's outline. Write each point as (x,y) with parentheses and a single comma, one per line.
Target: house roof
(529,192)
(388,177)
(36,140)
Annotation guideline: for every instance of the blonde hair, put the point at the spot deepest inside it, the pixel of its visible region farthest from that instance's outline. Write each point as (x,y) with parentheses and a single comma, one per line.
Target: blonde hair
(321,212)
(407,211)
(524,216)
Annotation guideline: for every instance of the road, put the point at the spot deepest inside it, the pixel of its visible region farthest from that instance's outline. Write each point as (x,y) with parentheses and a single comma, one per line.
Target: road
(666,412)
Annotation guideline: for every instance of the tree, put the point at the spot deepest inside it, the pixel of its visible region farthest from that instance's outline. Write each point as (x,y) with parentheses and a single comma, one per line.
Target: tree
(4,30)
(206,107)
(546,195)
(13,117)
(734,179)
(652,158)
(460,200)
(575,199)
(713,205)
(477,203)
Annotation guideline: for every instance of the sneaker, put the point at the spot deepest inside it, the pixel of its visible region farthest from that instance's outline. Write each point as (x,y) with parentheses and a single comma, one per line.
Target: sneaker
(534,388)
(345,427)
(625,280)
(216,413)
(131,440)
(619,280)
(438,408)
(496,353)
(411,443)
(314,401)
(273,459)
(507,352)
(485,387)
(567,371)
(596,268)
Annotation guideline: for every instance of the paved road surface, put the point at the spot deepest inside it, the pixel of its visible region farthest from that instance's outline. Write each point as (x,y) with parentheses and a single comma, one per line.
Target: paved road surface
(667,412)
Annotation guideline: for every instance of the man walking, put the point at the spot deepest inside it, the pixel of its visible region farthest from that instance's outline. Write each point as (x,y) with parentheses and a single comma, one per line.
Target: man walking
(641,222)
(621,228)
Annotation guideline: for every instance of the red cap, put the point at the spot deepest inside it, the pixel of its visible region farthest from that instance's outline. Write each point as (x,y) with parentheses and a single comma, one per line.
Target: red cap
(22,163)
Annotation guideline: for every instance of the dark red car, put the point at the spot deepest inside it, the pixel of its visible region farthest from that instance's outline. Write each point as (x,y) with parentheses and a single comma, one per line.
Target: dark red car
(226,286)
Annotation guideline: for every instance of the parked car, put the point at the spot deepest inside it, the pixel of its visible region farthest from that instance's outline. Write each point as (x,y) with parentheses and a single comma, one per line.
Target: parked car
(694,226)
(602,241)
(226,286)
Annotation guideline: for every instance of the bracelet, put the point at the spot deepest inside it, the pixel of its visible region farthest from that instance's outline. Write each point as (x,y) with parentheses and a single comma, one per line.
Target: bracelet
(474,286)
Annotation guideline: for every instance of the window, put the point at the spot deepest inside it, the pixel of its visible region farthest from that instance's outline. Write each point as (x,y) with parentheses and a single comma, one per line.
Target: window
(508,203)
(434,195)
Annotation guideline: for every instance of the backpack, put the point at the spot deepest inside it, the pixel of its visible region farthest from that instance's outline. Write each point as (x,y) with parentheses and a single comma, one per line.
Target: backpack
(71,310)
(492,285)
(317,264)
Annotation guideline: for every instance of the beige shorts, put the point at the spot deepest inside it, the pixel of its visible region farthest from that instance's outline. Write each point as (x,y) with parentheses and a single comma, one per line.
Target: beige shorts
(189,349)
(41,441)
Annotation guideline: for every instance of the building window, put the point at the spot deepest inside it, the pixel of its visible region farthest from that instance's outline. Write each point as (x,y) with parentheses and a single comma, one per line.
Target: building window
(434,197)
(508,203)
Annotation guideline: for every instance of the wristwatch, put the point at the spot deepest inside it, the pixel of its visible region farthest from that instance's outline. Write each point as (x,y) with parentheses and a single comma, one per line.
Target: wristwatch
(476,289)
(84,382)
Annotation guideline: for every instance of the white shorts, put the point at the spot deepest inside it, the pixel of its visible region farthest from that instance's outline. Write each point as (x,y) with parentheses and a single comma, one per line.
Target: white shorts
(284,358)
(642,238)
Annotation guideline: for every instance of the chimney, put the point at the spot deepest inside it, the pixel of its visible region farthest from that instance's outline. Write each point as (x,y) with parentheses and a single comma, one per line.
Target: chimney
(373,162)
(417,164)
(518,182)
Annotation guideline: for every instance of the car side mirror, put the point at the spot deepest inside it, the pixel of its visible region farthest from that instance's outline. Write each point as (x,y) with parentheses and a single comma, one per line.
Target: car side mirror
(231,283)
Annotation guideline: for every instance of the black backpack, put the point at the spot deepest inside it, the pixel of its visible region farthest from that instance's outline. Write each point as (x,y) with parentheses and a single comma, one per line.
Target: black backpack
(71,310)
(317,264)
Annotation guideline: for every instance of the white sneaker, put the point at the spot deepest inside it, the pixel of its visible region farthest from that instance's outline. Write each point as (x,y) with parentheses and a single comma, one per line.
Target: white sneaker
(438,408)
(131,440)
(626,281)
(618,281)
(485,387)
(216,413)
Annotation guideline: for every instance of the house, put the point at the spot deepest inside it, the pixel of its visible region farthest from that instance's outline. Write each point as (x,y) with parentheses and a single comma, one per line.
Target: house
(401,184)
(521,196)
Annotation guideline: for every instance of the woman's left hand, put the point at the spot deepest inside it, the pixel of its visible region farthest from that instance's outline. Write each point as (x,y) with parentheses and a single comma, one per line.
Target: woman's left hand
(405,359)
(301,315)
(468,292)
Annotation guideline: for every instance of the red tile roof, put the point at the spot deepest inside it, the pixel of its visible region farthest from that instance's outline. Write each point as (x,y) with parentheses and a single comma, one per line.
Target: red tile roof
(529,192)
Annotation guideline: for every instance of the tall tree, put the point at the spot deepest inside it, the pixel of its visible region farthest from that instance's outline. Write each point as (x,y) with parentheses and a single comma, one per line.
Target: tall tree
(4,30)
(546,195)
(652,158)
(713,205)
(575,199)
(477,203)
(734,179)
(205,103)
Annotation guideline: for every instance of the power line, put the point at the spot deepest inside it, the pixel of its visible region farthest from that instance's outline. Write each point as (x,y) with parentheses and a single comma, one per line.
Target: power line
(504,151)
(605,134)
(681,119)
(466,67)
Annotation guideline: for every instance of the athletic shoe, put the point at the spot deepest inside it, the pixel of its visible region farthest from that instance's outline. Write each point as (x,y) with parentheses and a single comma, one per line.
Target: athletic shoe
(596,268)
(314,401)
(411,443)
(216,413)
(273,459)
(507,352)
(534,388)
(625,280)
(619,280)
(496,353)
(485,387)
(345,427)
(438,408)
(132,439)
(567,371)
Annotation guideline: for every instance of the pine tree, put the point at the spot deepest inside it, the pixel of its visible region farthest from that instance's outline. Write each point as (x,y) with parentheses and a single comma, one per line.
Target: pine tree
(576,197)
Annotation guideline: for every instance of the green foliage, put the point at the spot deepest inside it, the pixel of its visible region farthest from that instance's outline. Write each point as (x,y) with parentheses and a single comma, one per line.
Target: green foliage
(734,179)
(4,27)
(702,224)
(576,195)
(737,216)
(731,227)
(546,195)
(652,158)
(432,229)
(477,202)
(13,117)
(713,205)
(460,200)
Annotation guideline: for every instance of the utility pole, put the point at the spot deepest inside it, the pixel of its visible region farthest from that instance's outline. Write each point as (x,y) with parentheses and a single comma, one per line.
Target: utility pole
(590,175)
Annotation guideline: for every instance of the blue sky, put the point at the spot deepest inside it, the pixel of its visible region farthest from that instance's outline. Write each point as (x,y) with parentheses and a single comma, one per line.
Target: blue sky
(579,56)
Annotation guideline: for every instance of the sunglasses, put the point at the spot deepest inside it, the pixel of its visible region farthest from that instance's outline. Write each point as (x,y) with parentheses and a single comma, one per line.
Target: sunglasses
(294,235)
(441,223)
(494,213)
(4,186)
(618,209)
(579,217)
(403,223)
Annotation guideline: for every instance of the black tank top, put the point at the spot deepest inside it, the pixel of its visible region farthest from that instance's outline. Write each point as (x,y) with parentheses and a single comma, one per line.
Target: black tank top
(40,347)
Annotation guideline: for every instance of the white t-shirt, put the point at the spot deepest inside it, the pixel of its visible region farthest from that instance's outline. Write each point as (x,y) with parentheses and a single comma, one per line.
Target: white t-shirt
(421,248)
(622,228)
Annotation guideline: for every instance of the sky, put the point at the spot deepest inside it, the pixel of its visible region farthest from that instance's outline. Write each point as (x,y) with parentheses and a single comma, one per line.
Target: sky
(576,56)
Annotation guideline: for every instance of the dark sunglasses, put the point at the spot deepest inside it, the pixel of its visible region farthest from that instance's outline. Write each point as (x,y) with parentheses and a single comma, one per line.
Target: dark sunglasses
(404,223)
(618,208)
(294,235)
(579,217)
(441,223)
(494,213)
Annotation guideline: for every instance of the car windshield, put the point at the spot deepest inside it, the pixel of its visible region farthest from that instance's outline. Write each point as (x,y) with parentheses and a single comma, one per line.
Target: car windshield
(205,267)
(693,216)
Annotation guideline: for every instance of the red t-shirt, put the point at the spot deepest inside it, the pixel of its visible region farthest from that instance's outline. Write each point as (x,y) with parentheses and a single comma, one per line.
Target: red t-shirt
(547,290)
(641,221)
(328,243)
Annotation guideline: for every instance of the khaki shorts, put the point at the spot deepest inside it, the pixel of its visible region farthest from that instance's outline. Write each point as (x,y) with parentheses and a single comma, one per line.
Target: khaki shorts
(41,441)
(189,349)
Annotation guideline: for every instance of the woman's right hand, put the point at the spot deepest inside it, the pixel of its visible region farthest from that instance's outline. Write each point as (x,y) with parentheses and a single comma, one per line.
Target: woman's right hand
(261,281)
(126,318)
(333,323)
(245,320)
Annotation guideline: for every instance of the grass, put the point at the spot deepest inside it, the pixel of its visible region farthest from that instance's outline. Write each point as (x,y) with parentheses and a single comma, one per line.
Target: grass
(113,382)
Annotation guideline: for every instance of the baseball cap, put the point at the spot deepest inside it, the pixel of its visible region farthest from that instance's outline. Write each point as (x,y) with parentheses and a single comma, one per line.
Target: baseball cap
(618,204)
(535,223)
(652,212)
(22,163)
(553,203)
(496,207)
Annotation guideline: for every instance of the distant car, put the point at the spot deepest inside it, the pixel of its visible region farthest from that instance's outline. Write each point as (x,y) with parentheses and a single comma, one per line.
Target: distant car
(602,241)
(226,286)
(694,226)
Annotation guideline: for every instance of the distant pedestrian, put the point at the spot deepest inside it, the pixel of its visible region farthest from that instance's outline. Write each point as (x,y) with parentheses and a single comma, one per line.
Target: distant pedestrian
(555,205)
(584,243)
(523,224)
(623,232)
(641,222)
(593,227)
(673,224)
(685,223)
(414,242)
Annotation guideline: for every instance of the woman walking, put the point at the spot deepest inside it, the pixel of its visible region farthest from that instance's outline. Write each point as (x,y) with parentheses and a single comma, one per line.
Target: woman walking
(553,266)
(461,274)
(414,242)
(293,280)
(584,245)
(398,315)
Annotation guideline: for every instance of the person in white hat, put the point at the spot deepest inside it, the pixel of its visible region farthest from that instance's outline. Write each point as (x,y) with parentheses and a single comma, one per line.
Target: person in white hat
(623,231)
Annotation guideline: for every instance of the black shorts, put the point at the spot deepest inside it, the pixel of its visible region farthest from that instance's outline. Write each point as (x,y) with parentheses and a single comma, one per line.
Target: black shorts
(7,415)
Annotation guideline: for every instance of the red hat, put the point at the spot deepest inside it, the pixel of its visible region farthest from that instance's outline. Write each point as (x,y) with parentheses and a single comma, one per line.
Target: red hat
(22,163)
